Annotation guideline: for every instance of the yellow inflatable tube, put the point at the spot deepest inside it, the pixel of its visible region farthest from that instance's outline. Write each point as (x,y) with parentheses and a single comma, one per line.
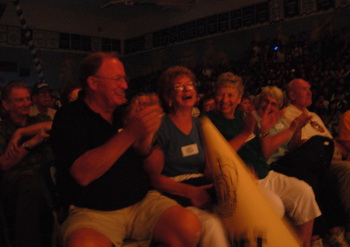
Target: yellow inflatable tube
(246,213)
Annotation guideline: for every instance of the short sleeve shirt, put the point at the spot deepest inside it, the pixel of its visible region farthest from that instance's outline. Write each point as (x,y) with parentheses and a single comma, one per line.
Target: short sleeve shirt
(250,152)
(183,153)
(76,130)
(308,131)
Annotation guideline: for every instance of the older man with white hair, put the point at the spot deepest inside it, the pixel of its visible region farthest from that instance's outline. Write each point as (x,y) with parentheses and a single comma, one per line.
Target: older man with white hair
(307,154)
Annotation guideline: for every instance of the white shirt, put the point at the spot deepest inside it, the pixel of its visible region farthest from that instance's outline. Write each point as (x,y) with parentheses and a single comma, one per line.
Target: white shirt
(35,111)
(315,127)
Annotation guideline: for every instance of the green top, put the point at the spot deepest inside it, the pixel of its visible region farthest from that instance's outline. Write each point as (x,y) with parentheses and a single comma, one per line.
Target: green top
(250,152)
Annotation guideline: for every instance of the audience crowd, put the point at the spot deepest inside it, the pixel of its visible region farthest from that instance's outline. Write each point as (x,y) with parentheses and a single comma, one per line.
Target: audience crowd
(324,63)
(280,101)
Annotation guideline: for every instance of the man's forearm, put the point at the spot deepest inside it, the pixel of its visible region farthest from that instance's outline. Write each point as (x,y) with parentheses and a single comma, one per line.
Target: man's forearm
(95,162)
(7,162)
(34,128)
(144,146)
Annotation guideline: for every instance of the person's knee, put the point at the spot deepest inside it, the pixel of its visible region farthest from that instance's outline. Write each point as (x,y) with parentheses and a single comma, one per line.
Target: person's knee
(212,225)
(275,201)
(189,226)
(178,226)
(86,237)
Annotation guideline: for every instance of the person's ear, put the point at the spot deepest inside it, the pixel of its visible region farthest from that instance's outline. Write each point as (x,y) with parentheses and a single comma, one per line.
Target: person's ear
(291,95)
(5,104)
(240,98)
(92,82)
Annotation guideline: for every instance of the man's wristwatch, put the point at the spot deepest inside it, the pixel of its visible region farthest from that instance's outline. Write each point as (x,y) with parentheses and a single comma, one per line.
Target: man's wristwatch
(26,147)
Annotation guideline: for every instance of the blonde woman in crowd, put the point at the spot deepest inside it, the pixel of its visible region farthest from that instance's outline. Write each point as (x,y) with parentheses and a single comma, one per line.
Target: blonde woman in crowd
(239,130)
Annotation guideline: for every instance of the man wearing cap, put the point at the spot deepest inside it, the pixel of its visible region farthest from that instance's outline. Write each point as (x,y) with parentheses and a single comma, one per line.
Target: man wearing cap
(42,101)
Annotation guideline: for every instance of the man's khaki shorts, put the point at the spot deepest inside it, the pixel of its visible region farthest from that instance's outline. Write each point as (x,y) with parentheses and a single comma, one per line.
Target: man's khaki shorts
(135,222)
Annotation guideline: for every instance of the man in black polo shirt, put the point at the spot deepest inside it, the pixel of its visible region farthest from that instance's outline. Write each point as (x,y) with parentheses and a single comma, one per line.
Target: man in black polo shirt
(99,166)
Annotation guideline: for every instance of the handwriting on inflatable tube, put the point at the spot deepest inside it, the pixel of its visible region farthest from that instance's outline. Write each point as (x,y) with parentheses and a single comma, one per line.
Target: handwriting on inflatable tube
(226,183)
(226,186)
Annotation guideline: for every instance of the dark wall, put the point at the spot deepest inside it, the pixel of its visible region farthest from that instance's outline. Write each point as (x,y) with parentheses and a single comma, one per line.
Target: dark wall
(61,68)
(232,46)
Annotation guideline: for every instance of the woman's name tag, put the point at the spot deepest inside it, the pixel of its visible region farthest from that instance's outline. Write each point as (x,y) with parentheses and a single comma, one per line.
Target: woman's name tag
(189,150)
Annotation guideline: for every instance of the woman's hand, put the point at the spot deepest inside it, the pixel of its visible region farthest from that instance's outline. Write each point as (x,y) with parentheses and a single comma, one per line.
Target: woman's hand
(199,196)
(270,118)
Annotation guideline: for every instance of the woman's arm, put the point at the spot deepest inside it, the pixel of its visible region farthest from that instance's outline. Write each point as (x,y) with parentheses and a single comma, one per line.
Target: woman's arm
(154,164)
(291,135)
(249,125)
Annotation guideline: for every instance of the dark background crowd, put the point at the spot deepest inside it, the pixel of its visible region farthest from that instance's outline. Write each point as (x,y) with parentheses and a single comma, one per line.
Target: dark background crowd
(325,63)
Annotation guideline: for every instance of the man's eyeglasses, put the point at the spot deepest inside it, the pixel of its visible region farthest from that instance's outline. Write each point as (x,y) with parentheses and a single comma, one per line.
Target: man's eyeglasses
(181,87)
(118,79)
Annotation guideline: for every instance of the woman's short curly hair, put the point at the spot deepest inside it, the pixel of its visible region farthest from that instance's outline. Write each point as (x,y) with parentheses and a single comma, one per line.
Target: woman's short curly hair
(228,79)
(166,80)
(271,91)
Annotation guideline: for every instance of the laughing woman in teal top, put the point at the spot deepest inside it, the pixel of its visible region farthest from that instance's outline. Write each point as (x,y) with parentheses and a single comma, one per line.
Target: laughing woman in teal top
(177,163)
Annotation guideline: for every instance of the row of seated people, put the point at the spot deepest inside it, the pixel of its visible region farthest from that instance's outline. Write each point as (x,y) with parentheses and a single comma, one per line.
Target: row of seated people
(306,154)
(323,61)
(133,173)
(284,140)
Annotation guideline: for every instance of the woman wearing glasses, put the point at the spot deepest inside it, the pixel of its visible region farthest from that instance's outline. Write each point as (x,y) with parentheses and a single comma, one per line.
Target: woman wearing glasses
(177,163)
